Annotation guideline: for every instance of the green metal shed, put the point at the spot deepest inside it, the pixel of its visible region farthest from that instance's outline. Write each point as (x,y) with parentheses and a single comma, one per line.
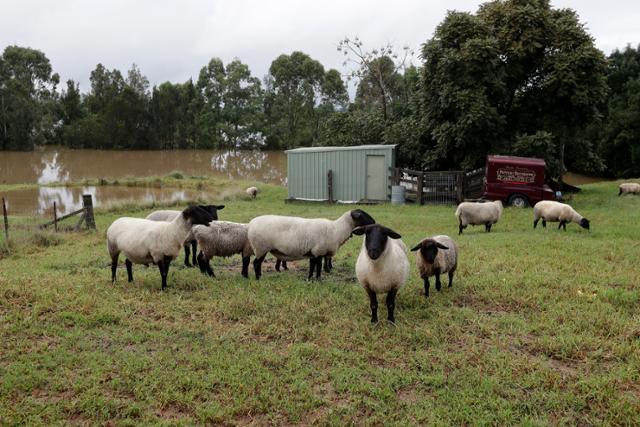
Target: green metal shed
(359,173)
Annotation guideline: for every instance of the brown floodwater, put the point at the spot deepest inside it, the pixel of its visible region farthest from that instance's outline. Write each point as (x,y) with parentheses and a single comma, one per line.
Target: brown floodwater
(579,179)
(39,201)
(56,164)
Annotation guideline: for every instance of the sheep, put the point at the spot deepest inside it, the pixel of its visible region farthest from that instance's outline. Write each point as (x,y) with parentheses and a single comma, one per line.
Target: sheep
(382,266)
(629,188)
(168,215)
(552,211)
(145,241)
(436,255)
(222,239)
(252,192)
(291,238)
(474,213)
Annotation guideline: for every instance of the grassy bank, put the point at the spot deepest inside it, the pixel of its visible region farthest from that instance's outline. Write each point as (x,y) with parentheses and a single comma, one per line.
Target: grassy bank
(542,327)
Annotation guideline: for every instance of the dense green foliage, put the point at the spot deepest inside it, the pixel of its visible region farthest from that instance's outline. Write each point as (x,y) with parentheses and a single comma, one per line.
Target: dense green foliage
(516,77)
(540,328)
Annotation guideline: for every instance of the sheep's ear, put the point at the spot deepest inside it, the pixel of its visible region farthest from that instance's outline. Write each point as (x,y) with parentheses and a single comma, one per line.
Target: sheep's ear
(441,246)
(416,247)
(359,231)
(389,232)
(220,207)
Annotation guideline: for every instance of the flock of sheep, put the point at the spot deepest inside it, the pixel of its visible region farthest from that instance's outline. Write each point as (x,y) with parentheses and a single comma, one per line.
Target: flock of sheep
(382,266)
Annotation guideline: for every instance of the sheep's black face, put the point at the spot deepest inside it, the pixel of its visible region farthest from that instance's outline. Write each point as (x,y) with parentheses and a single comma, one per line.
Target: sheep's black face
(213,210)
(361,218)
(584,223)
(196,215)
(429,249)
(375,239)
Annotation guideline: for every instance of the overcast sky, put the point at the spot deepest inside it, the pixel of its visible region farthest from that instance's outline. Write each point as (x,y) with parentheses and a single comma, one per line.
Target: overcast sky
(171,40)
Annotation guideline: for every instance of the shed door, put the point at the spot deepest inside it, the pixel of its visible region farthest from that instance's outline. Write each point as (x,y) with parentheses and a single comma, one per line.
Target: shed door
(376,178)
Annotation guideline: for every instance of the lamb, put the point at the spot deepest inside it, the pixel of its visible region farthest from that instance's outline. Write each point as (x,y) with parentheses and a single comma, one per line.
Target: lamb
(474,213)
(552,211)
(291,238)
(436,255)
(144,241)
(252,192)
(222,239)
(169,215)
(382,266)
(629,188)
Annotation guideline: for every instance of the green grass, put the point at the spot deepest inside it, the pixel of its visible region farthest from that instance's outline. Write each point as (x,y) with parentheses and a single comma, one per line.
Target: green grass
(542,327)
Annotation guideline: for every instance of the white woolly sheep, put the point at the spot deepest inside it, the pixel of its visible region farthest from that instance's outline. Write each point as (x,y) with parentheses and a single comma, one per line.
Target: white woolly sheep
(169,215)
(144,241)
(552,211)
(290,238)
(222,239)
(477,213)
(382,266)
(252,192)
(629,188)
(436,255)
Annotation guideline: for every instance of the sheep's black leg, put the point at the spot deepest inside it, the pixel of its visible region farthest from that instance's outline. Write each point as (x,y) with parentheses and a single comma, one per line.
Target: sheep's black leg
(194,251)
(619,193)
(312,267)
(451,278)
(186,255)
(257,266)
(327,264)
(560,225)
(207,267)
(373,302)
(129,270)
(278,262)
(544,223)
(245,266)
(114,267)
(426,287)
(391,305)
(284,265)
(318,267)
(564,225)
(438,284)
(535,223)
(163,266)
(460,228)
(487,227)
(201,263)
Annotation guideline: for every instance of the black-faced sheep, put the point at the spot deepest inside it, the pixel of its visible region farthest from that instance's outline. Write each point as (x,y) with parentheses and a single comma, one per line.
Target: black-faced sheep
(169,215)
(436,255)
(475,213)
(382,266)
(252,192)
(629,188)
(144,241)
(551,211)
(222,239)
(290,238)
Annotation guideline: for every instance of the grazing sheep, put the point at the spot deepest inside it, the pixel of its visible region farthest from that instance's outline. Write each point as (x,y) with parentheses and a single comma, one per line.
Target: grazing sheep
(291,238)
(436,255)
(169,215)
(222,239)
(475,213)
(382,266)
(552,211)
(252,192)
(629,188)
(144,241)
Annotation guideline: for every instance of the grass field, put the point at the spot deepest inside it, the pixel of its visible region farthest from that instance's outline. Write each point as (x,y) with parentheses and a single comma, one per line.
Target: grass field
(542,327)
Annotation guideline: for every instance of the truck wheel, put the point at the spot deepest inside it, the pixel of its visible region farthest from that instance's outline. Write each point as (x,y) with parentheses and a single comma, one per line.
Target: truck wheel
(518,201)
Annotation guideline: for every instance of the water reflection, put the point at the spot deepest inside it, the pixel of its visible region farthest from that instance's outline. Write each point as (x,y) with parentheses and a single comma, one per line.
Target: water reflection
(55,164)
(68,199)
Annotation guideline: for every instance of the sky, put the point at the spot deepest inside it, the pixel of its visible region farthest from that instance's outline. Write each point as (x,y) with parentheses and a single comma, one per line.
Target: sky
(171,40)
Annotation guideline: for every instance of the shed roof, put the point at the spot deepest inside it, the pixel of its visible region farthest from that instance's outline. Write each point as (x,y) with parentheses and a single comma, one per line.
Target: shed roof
(348,148)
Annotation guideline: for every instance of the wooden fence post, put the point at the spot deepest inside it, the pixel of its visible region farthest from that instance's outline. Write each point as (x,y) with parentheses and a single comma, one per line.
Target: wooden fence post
(87,204)
(420,184)
(330,185)
(55,217)
(460,186)
(6,220)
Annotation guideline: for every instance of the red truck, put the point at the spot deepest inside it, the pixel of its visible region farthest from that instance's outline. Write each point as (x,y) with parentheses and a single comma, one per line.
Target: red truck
(517,181)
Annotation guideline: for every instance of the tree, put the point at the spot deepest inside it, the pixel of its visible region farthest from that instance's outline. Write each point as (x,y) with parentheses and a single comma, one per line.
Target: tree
(27,88)
(512,70)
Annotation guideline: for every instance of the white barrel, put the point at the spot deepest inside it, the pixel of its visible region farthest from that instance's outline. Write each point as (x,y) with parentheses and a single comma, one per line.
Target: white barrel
(397,195)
